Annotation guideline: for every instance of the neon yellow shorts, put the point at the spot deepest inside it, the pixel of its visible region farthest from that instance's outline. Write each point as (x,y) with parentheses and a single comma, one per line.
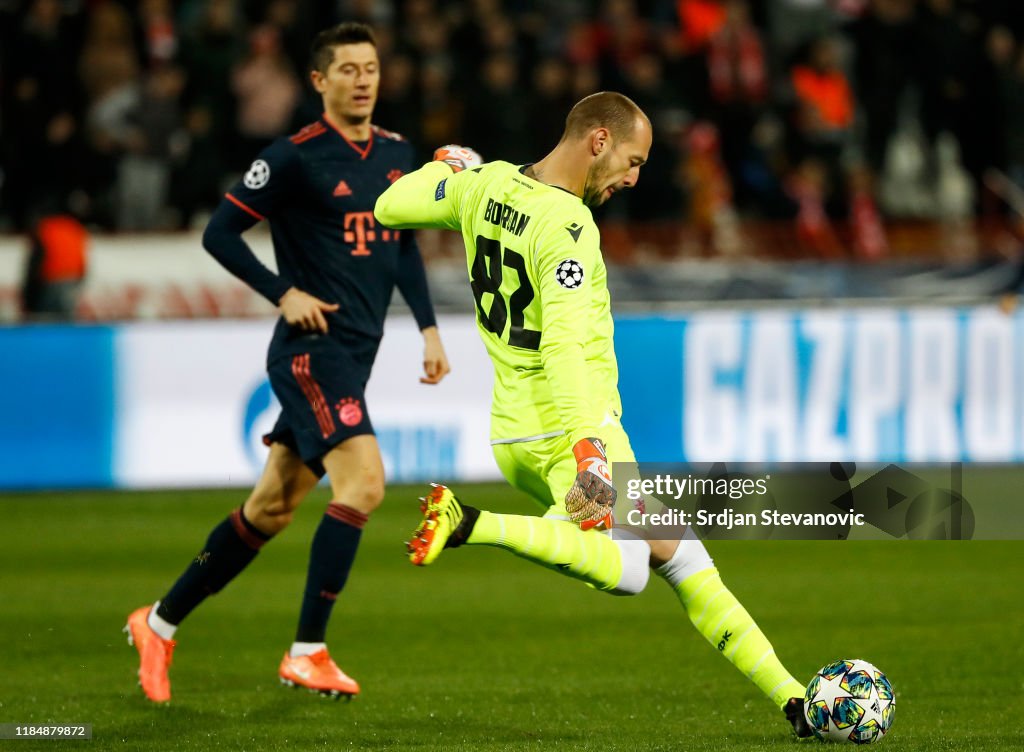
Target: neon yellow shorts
(545,469)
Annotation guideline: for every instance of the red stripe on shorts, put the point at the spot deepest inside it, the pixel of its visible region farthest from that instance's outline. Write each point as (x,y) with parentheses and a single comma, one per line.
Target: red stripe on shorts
(314,395)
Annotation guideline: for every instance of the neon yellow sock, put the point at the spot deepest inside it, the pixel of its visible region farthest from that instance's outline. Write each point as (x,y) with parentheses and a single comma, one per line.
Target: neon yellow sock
(724,622)
(589,556)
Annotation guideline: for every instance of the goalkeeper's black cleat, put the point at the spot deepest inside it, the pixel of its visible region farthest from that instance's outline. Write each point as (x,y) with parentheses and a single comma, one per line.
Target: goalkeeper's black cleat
(446,524)
(794,710)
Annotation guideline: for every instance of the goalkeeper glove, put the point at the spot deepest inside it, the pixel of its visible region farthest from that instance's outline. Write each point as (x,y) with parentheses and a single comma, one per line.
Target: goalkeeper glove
(591,500)
(459,158)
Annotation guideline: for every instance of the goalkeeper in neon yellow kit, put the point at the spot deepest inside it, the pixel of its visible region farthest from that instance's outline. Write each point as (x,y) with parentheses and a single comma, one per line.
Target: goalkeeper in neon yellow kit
(544,314)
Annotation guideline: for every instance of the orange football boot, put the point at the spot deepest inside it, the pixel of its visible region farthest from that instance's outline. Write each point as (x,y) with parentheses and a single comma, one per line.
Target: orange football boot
(154,655)
(317,673)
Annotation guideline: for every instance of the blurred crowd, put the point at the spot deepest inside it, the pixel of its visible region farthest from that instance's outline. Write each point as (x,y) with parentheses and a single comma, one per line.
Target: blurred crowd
(834,115)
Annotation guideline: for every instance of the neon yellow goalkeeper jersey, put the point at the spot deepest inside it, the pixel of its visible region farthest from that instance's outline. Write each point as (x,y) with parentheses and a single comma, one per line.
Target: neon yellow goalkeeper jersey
(540,285)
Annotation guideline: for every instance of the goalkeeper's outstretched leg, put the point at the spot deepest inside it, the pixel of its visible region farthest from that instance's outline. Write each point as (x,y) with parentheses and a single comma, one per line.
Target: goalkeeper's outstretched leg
(614,563)
(618,565)
(546,470)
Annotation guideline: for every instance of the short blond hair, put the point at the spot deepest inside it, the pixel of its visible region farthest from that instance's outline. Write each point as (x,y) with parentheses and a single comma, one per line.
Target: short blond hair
(605,109)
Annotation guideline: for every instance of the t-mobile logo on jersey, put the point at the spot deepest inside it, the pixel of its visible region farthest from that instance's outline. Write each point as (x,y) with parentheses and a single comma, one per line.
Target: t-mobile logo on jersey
(359,229)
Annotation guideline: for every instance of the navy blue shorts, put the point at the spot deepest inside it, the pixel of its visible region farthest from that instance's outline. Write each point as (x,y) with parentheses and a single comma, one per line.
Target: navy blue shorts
(322,402)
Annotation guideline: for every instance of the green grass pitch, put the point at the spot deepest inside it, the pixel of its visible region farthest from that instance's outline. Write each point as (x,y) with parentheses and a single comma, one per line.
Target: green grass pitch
(483,651)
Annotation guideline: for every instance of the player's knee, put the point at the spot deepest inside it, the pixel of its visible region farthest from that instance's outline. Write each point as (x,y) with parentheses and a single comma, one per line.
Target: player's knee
(366,493)
(374,495)
(277,519)
(636,554)
(269,512)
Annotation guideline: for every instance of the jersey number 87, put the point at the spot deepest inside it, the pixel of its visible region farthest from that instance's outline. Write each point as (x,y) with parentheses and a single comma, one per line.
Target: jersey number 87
(486,276)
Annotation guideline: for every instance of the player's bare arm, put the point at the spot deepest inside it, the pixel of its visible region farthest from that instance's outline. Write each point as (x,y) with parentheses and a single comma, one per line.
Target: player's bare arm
(435,361)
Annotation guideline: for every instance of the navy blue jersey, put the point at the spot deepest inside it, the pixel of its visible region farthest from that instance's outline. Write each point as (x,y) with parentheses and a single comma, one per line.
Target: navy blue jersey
(318,189)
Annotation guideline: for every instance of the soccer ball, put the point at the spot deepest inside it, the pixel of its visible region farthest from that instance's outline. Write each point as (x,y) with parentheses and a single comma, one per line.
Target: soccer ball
(850,700)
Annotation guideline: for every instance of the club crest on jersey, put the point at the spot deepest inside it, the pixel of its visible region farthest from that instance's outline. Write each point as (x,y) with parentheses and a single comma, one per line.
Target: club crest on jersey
(257,176)
(569,274)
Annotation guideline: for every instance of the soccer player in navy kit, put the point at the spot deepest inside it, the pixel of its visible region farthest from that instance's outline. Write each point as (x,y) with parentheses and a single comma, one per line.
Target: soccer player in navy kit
(337,271)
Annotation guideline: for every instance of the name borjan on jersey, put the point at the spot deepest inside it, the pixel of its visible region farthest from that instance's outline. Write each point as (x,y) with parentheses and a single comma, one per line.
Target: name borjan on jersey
(506,217)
